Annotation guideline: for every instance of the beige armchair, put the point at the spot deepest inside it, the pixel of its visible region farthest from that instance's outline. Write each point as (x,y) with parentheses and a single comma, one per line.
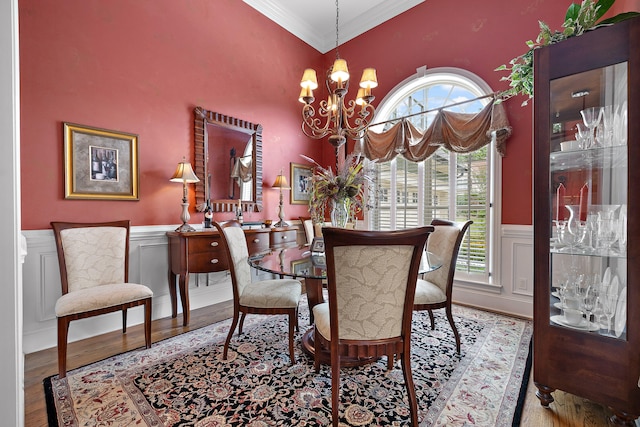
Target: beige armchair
(278,296)
(372,277)
(433,290)
(94,272)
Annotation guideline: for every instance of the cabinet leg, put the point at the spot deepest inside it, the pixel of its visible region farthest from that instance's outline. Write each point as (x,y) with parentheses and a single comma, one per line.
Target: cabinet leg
(184,297)
(173,295)
(544,394)
(621,418)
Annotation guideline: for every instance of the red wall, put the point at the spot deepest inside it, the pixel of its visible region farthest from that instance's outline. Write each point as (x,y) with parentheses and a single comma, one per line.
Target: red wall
(142,67)
(477,36)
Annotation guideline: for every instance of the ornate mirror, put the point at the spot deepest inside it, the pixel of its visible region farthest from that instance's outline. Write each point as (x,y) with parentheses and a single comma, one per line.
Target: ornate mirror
(228,161)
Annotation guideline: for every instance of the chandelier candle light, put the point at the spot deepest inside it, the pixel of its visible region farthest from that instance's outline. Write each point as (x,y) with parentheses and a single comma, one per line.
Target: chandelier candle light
(281,183)
(337,112)
(184,174)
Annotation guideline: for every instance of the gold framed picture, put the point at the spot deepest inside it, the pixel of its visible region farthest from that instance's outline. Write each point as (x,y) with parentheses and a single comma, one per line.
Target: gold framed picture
(100,163)
(301,267)
(300,184)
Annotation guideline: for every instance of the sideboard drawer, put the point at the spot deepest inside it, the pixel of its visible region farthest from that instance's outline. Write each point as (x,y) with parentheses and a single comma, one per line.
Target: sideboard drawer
(257,240)
(206,262)
(281,237)
(205,244)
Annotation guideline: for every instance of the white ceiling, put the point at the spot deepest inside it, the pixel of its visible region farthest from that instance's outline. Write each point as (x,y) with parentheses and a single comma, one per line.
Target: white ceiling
(314,21)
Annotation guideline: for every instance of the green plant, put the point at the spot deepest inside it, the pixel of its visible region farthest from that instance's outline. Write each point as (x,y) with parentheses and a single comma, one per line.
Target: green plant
(578,19)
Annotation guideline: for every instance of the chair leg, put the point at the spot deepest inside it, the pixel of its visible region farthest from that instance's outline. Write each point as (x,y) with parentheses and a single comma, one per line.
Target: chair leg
(241,323)
(147,323)
(297,327)
(63,331)
(411,391)
(124,320)
(335,389)
(453,326)
(234,322)
(433,324)
(390,359)
(292,319)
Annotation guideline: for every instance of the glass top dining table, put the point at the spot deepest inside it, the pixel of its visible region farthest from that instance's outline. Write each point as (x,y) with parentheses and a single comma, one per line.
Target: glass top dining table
(299,262)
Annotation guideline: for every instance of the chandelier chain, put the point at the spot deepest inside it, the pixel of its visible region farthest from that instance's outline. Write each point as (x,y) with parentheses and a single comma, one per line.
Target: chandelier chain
(337,27)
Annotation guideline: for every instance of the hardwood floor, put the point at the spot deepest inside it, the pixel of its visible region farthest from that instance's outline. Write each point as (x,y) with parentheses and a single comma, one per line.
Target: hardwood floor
(567,410)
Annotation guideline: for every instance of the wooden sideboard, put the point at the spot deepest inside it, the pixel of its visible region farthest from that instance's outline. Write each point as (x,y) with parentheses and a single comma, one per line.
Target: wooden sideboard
(202,252)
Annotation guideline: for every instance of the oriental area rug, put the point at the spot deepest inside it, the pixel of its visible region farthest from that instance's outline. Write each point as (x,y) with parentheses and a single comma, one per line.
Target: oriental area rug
(183,381)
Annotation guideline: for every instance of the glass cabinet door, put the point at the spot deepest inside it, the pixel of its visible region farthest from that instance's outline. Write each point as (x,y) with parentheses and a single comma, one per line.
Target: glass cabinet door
(588,185)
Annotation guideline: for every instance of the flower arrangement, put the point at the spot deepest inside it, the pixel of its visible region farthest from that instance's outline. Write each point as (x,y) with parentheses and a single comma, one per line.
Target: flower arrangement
(578,19)
(347,186)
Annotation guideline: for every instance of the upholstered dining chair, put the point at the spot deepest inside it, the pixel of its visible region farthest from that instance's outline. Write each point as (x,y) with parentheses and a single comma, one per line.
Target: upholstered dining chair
(372,277)
(309,232)
(433,290)
(94,273)
(273,296)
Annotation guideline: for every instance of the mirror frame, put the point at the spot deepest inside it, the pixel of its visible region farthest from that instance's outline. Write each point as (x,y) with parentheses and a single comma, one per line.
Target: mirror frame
(202,118)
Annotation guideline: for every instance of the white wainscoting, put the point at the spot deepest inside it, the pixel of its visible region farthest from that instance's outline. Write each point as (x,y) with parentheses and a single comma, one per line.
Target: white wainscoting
(511,290)
(148,263)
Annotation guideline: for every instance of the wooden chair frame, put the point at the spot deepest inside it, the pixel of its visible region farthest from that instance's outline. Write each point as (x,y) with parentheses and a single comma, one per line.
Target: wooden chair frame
(64,321)
(462,229)
(238,308)
(368,349)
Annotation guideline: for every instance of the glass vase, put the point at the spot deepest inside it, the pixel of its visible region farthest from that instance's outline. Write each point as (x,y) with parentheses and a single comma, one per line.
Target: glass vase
(340,213)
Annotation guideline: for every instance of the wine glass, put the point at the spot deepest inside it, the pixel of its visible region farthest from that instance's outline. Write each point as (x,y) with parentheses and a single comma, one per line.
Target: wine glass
(607,230)
(609,303)
(582,135)
(591,117)
(608,115)
(589,301)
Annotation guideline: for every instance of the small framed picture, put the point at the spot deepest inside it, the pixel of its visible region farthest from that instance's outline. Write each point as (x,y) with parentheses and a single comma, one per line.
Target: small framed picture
(317,245)
(100,163)
(300,184)
(301,268)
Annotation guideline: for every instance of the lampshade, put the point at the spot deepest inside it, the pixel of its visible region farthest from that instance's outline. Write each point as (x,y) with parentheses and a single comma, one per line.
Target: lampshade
(305,93)
(281,182)
(360,97)
(340,72)
(369,79)
(309,80)
(184,173)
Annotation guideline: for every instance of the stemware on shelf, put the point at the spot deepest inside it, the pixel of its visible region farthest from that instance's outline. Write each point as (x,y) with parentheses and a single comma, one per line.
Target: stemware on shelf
(606,126)
(609,305)
(582,136)
(607,230)
(591,117)
(589,301)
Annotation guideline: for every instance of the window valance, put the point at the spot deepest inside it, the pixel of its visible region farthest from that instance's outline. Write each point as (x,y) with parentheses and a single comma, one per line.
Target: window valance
(458,132)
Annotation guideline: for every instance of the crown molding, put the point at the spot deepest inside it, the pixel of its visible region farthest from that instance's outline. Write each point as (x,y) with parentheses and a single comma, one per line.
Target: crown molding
(296,17)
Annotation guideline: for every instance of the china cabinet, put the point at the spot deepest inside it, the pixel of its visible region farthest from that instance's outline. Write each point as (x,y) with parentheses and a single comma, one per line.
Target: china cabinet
(586,248)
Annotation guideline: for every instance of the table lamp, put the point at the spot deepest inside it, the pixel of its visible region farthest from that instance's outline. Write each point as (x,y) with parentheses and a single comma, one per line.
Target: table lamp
(184,174)
(281,183)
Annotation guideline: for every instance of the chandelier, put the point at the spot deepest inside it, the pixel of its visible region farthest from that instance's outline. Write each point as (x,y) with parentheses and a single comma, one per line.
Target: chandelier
(339,116)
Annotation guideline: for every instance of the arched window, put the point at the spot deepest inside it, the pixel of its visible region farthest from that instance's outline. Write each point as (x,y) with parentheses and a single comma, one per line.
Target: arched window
(446,185)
